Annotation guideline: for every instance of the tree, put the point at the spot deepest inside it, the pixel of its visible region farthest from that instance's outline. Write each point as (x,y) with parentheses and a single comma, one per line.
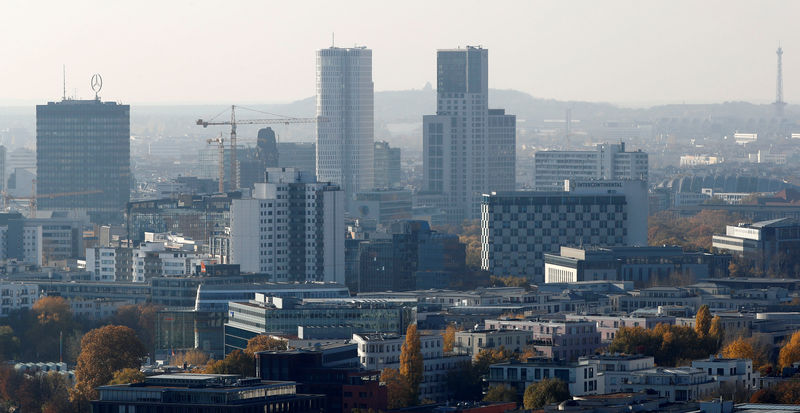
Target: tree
(105,350)
(470,236)
(702,321)
(9,343)
(127,375)
(449,338)
(488,356)
(692,233)
(411,365)
(500,393)
(50,319)
(142,319)
(264,342)
(790,352)
(786,392)
(193,357)
(509,281)
(544,392)
(716,332)
(52,310)
(742,348)
(398,391)
(46,393)
(667,343)
(236,362)
(464,382)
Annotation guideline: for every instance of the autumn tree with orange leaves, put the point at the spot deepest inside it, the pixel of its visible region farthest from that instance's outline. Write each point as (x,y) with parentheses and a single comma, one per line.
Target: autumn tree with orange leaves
(790,352)
(411,364)
(398,390)
(263,342)
(104,350)
(746,348)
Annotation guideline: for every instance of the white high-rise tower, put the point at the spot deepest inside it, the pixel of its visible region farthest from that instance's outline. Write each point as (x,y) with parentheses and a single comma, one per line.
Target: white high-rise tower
(345,136)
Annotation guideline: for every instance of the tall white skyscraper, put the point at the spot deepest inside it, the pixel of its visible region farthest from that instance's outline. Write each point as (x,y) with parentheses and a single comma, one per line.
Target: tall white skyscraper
(345,101)
(468,149)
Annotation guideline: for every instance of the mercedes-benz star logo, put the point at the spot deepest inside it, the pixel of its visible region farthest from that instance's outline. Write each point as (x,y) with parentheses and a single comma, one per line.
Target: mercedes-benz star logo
(97,83)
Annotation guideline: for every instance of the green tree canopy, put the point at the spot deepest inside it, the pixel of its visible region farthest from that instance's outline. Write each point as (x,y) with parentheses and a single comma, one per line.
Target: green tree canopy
(500,393)
(545,392)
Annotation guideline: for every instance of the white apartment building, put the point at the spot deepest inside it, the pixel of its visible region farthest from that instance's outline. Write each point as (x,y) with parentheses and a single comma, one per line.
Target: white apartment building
(607,161)
(518,228)
(155,259)
(676,384)
(292,228)
(26,250)
(585,376)
(379,351)
(473,341)
(615,370)
(17,296)
(102,263)
(735,373)
(566,340)
(345,136)
(98,309)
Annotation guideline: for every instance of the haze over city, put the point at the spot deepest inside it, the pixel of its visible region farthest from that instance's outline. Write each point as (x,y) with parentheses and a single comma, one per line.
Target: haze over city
(399,207)
(631,53)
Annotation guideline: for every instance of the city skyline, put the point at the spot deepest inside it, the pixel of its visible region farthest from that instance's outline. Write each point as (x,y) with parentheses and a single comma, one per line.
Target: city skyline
(622,52)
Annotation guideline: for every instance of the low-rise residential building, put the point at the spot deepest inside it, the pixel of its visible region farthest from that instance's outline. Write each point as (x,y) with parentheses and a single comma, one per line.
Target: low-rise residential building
(379,351)
(520,375)
(733,373)
(614,370)
(565,340)
(597,374)
(97,309)
(15,296)
(110,263)
(677,384)
(473,341)
(158,259)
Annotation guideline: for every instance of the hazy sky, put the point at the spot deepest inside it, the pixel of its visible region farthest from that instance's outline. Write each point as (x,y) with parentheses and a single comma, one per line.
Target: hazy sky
(170,51)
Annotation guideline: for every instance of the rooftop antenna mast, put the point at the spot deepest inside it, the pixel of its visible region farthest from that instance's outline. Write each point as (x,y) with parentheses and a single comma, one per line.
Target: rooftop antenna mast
(779,103)
(64,82)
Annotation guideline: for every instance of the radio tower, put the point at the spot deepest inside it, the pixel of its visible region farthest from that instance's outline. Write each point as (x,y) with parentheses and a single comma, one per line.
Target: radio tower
(779,103)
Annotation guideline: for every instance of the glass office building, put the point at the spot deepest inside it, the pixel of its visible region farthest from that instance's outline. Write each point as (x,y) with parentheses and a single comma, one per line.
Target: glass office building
(83,157)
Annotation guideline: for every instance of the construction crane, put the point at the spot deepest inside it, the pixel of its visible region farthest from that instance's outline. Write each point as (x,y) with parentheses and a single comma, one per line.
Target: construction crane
(32,199)
(233,122)
(221,141)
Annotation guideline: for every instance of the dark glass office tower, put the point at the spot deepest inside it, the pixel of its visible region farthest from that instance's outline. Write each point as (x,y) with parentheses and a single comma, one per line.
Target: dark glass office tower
(83,158)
